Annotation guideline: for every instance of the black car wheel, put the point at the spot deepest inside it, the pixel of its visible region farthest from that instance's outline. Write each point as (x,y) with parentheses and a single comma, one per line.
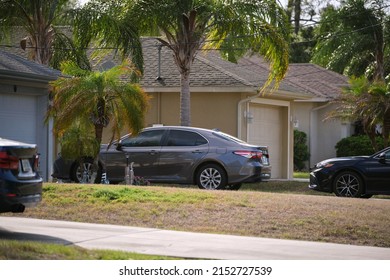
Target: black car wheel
(82,173)
(211,177)
(348,184)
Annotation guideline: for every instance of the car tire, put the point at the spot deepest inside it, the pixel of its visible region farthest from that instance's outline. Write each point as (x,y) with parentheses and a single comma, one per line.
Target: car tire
(84,175)
(348,184)
(211,177)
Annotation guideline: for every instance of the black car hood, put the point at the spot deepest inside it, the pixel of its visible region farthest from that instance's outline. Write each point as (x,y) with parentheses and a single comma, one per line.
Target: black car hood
(354,158)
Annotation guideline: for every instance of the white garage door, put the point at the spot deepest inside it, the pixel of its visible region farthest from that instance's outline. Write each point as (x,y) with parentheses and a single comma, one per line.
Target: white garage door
(18,117)
(266,129)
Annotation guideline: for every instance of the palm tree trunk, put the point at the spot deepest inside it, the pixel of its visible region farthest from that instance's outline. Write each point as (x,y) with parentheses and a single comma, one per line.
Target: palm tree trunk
(370,131)
(386,127)
(185,100)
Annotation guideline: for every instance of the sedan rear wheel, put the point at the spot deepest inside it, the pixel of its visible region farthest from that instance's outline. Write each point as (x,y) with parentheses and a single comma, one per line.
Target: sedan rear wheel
(83,173)
(211,177)
(348,184)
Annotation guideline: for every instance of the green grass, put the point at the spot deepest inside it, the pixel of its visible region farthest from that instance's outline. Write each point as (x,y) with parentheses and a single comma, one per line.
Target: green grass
(301,175)
(29,250)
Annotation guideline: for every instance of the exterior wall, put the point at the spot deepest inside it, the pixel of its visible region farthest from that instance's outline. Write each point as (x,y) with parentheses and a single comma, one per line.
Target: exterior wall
(322,135)
(208,110)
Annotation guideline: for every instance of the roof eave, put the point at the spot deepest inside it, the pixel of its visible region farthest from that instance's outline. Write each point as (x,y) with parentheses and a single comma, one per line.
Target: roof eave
(14,75)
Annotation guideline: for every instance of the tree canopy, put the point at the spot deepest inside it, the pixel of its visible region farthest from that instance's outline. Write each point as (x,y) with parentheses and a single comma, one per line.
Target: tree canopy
(233,27)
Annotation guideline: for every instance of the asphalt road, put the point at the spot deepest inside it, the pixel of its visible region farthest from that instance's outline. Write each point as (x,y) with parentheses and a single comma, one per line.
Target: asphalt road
(180,244)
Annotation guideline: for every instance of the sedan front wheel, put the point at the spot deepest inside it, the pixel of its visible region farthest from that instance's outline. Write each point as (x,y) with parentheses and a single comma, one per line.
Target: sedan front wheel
(211,177)
(348,184)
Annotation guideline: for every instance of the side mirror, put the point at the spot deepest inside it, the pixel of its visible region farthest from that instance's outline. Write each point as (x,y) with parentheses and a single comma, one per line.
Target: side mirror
(119,146)
(382,158)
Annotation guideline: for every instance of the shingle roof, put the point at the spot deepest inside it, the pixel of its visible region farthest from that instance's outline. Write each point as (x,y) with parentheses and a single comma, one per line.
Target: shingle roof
(314,79)
(13,63)
(209,69)
(203,72)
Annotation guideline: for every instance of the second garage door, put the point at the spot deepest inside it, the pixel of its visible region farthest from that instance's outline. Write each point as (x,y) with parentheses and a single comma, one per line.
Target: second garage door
(266,128)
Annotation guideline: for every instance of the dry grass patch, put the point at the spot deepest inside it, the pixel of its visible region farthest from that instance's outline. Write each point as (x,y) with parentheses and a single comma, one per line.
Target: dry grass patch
(250,213)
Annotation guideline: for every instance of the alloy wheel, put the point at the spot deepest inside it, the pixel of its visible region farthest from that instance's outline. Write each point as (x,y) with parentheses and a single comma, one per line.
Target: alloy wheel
(348,184)
(211,177)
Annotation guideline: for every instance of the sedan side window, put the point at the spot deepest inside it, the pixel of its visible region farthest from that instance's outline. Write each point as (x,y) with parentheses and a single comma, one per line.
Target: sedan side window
(144,139)
(185,138)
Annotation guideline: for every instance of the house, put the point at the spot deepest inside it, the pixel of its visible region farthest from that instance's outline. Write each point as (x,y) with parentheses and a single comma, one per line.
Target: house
(24,98)
(224,95)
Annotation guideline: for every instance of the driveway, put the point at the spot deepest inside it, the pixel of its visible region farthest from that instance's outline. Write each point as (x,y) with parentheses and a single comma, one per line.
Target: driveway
(181,244)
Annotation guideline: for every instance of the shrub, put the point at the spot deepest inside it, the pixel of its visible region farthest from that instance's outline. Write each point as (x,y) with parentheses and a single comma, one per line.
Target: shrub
(301,150)
(356,146)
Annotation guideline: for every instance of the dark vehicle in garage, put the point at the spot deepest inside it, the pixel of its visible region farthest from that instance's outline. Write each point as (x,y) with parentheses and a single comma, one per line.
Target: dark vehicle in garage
(180,155)
(20,183)
(357,176)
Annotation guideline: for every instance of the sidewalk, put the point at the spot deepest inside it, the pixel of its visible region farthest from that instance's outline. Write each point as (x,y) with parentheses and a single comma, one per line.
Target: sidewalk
(181,244)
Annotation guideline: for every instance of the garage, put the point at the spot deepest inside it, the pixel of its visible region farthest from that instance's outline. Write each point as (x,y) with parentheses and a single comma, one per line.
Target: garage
(269,127)
(24,98)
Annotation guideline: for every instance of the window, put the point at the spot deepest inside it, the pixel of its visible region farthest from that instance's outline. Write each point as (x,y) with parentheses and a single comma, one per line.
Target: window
(144,139)
(185,138)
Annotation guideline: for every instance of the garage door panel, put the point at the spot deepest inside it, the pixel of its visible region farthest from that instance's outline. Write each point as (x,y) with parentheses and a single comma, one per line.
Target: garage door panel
(18,117)
(266,129)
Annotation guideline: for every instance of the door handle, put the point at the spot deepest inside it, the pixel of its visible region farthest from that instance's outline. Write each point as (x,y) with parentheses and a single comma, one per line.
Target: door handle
(153,152)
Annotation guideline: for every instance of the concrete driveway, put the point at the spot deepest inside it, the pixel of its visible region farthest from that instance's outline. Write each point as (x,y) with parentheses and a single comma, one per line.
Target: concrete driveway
(181,244)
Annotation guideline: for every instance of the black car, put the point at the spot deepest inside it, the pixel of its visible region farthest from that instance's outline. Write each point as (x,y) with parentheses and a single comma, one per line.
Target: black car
(357,176)
(180,155)
(20,183)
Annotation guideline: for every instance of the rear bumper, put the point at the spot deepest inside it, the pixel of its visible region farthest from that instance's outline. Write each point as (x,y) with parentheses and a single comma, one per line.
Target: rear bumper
(253,175)
(15,196)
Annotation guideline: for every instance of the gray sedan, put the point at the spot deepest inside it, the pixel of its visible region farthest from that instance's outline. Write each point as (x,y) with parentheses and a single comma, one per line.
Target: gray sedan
(180,155)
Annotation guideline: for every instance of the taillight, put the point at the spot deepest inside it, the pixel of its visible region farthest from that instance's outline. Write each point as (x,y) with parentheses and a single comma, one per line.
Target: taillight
(36,162)
(249,154)
(8,162)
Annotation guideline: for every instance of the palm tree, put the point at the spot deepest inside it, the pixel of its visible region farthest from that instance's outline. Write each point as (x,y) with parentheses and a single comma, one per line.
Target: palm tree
(233,27)
(368,102)
(48,42)
(38,19)
(100,98)
(352,39)
(89,101)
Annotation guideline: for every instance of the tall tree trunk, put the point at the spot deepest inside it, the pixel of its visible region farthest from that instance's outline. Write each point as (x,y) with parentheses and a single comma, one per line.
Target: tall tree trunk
(185,99)
(297,15)
(386,127)
(369,128)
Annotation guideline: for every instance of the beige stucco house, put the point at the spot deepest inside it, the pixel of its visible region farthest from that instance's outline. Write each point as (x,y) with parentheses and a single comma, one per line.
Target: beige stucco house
(225,95)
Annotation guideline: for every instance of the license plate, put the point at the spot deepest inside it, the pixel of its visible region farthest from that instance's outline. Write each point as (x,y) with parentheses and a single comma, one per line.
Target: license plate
(26,166)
